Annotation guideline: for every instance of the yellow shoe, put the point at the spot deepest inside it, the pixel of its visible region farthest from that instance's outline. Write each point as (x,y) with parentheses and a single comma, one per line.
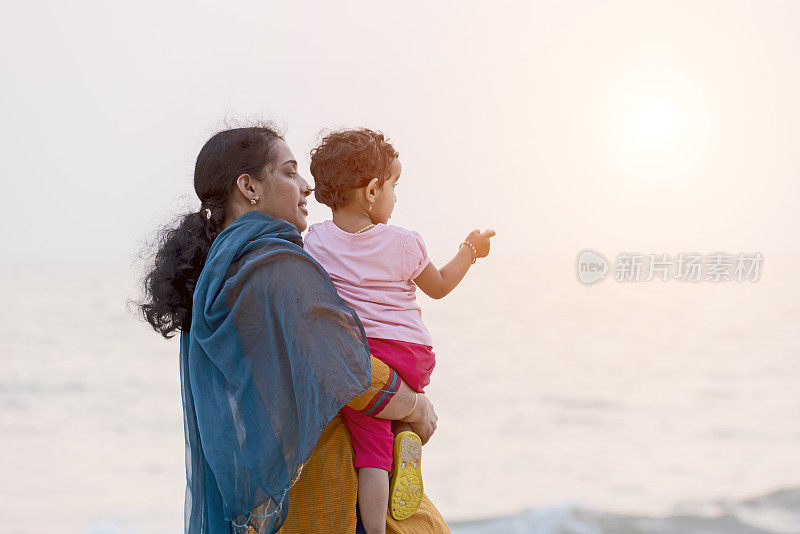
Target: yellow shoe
(405,489)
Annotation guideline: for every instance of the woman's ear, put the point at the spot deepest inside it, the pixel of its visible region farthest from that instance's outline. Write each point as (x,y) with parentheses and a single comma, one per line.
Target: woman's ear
(246,186)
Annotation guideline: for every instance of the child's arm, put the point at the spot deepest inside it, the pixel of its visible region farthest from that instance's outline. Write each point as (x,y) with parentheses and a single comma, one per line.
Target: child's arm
(436,283)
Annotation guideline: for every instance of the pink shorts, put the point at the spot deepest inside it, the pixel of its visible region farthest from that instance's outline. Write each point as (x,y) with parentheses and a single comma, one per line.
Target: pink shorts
(372,438)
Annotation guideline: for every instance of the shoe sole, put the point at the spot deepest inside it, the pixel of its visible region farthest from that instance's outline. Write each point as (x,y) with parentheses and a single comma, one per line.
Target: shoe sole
(405,490)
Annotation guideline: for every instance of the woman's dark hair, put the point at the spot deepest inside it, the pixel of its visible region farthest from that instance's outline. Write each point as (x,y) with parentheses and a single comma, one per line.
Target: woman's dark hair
(182,248)
(346,160)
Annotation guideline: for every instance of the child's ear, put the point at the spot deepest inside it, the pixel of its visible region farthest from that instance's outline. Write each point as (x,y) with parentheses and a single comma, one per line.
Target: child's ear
(372,190)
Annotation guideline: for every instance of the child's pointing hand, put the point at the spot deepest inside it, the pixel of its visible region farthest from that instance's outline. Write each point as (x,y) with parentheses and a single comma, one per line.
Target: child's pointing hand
(480,240)
(436,283)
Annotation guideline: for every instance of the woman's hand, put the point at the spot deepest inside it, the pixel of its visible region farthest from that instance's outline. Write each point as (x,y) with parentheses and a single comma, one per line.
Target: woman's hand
(420,416)
(480,240)
(423,418)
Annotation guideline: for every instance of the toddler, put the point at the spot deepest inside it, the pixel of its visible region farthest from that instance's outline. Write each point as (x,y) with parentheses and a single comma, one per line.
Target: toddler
(376,269)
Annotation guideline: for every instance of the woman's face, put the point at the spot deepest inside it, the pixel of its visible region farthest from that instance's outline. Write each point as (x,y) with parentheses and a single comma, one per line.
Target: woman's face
(283,193)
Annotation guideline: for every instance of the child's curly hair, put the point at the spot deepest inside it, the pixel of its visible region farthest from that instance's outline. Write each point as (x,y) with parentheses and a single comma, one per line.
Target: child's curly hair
(346,160)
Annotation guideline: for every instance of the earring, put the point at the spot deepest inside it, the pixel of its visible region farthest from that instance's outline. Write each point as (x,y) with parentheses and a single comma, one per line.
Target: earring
(254,201)
(370,207)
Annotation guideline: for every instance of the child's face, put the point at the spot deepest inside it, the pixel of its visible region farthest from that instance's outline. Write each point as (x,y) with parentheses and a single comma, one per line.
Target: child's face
(385,197)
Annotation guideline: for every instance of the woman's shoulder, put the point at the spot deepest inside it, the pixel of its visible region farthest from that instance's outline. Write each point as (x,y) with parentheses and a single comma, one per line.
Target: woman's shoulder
(281,263)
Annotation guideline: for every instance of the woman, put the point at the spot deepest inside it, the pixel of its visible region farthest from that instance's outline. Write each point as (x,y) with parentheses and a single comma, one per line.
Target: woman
(269,353)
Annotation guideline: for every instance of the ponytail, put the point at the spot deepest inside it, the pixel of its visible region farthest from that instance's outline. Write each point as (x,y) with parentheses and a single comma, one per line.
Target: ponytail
(182,248)
(170,285)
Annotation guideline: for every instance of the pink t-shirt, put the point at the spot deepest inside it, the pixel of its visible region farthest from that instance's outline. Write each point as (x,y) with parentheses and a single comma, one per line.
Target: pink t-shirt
(373,273)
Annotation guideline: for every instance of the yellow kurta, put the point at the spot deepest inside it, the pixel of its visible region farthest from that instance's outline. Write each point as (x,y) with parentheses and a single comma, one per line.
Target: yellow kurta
(324,498)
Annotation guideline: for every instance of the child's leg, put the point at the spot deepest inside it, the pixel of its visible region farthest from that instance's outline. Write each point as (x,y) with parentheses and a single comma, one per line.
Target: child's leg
(405,480)
(373,497)
(373,443)
(399,426)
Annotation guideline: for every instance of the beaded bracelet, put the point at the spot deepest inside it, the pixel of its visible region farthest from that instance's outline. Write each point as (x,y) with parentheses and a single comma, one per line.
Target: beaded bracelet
(474,250)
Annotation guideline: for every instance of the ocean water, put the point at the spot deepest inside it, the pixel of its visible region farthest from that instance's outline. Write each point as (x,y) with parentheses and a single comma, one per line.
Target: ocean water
(616,408)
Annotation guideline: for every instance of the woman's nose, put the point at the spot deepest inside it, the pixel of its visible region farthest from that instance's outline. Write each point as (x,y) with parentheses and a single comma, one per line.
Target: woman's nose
(304,187)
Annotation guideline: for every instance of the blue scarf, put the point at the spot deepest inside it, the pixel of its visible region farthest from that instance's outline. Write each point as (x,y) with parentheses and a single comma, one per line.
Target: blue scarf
(271,356)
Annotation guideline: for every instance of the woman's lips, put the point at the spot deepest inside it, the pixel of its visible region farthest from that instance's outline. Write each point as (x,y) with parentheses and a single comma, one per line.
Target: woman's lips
(303,209)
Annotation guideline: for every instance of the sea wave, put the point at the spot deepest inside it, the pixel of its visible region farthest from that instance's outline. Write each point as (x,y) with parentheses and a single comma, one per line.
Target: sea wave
(775,513)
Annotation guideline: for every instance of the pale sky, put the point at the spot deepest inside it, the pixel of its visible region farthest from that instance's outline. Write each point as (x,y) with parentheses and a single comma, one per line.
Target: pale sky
(649,126)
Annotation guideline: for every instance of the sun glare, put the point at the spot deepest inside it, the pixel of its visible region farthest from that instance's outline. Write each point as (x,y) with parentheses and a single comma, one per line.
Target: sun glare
(653,133)
(655,122)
